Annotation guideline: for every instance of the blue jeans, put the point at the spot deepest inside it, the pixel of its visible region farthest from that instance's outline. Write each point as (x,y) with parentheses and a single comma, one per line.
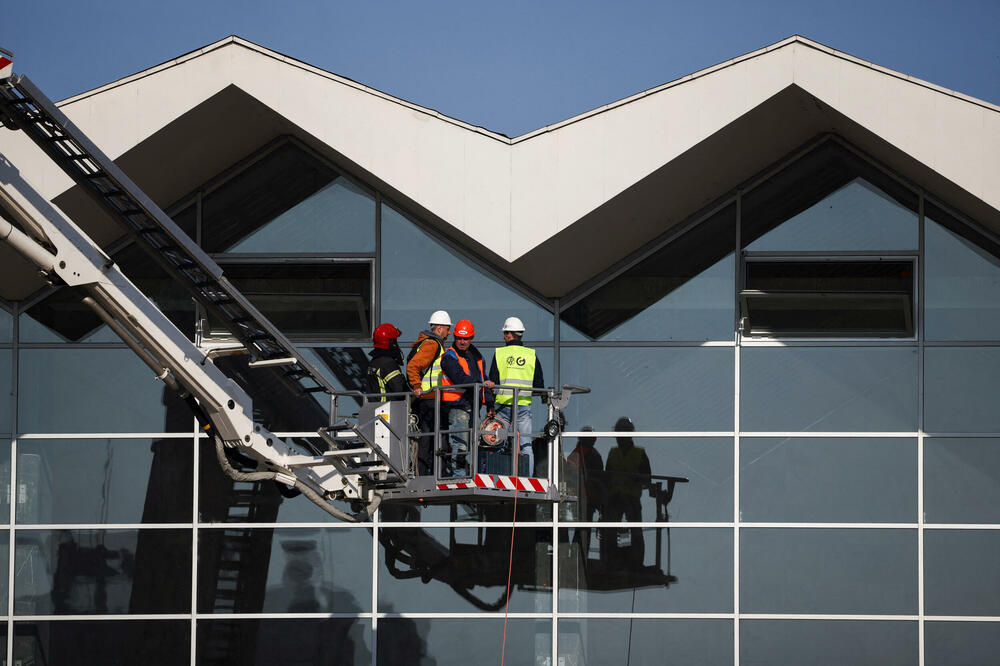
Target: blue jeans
(458,419)
(522,426)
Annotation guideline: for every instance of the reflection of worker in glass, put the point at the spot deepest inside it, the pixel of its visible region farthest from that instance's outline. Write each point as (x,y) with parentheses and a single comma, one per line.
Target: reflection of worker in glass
(628,472)
(584,467)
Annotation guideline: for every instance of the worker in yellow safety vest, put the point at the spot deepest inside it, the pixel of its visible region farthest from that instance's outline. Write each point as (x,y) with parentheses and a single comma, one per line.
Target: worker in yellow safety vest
(515,365)
(423,374)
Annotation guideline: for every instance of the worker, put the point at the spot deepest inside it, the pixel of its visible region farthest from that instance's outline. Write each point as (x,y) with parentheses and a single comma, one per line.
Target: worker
(462,363)
(424,376)
(584,479)
(628,473)
(517,365)
(384,374)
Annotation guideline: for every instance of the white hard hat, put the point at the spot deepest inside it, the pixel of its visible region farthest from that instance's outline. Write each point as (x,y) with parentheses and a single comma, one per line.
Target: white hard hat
(514,325)
(440,317)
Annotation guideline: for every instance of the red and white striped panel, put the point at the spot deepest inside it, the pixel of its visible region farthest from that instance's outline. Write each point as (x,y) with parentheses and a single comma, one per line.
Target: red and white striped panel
(495,481)
(6,67)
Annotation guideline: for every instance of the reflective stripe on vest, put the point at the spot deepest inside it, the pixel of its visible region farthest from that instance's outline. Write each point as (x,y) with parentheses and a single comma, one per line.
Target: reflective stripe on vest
(454,396)
(516,367)
(383,384)
(432,375)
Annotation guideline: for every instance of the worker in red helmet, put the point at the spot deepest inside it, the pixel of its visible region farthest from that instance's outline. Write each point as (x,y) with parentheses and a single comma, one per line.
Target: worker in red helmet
(385,374)
(462,363)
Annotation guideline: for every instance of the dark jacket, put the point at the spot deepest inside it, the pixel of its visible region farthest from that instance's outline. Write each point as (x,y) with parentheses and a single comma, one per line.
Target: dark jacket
(456,375)
(386,364)
(538,381)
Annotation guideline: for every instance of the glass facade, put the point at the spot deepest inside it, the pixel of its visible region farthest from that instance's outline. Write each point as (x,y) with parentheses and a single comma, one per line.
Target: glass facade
(734,497)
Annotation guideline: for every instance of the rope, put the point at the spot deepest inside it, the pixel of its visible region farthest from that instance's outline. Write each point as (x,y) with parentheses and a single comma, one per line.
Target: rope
(510,568)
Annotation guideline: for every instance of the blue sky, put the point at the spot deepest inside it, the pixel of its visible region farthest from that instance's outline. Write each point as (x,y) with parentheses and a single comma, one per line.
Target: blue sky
(513,66)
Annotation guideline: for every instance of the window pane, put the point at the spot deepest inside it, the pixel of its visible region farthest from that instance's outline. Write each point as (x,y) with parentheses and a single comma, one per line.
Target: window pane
(823,642)
(104,481)
(340,217)
(804,480)
(6,399)
(961,572)
(706,463)
(619,641)
(96,572)
(828,389)
(89,642)
(222,500)
(288,201)
(4,481)
(466,570)
(650,570)
(947,643)
(316,642)
(284,570)
(94,390)
(306,301)
(6,326)
(682,292)
(961,480)
(959,389)
(830,199)
(660,389)
(421,275)
(961,282)
(836,571)
(460,642)
(858,216)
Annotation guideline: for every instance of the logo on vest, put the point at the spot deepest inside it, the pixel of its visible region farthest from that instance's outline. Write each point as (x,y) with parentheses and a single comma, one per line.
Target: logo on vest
(520,360)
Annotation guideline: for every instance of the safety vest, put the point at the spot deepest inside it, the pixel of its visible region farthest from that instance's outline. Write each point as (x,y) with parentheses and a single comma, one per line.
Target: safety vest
(516,366)
(432,375)
(455,396)
(383,382)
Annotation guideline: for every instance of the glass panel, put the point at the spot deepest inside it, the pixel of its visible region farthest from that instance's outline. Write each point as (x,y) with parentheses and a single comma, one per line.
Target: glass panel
(805,480)
(650,570)
(961,281)
(465,570)
(706,463)
(961,480)
(858,216)
(828,200)
(269,642)
(96,572)
(63,317)
(459,642)
(947,643)
(4,481)
(959,389)
(836,571)
(828,389)
(660,389)
(961,572)
(94,390)
(306,301)
(288,201)
(604,641)
(104,481)
(6,394)
(824,642)
(421,275)
(415,512)
(284,570)
(89,642)
(222,500)
(6,326)
(682,292)
(340,217)
(4,567)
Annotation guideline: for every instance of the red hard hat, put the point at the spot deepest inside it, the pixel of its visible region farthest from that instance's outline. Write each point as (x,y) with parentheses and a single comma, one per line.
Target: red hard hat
(464,329)
(385,334)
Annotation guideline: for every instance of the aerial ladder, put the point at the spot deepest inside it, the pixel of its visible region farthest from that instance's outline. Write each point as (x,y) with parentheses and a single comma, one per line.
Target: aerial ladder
(362,459)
